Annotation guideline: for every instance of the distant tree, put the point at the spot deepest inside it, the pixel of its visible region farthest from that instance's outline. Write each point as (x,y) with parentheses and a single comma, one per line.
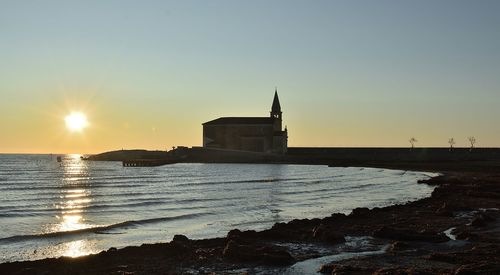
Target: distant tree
(451,141)
(412,142)
(472,141)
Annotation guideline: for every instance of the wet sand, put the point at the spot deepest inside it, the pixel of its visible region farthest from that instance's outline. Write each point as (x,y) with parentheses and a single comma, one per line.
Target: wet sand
(455,231)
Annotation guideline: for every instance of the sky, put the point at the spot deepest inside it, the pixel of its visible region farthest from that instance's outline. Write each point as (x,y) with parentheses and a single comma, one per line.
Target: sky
(147,74)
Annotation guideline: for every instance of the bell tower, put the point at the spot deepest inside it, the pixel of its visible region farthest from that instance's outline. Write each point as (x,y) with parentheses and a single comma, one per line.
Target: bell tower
(276,111)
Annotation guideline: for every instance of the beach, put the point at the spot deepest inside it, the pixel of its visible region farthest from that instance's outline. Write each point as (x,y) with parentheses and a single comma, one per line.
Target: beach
(455,231)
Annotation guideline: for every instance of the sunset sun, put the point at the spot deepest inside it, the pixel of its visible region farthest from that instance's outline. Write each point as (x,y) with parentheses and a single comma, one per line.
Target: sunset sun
(76,121)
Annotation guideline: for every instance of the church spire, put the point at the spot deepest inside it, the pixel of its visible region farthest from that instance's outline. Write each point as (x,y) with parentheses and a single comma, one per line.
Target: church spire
(276,108)
(276,113)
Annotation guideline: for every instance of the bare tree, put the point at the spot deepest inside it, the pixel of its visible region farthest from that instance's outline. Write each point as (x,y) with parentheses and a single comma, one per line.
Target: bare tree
(412,142)
(451,141)
(472,141)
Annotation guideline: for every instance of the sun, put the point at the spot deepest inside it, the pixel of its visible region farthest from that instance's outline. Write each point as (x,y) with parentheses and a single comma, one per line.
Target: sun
(76,121)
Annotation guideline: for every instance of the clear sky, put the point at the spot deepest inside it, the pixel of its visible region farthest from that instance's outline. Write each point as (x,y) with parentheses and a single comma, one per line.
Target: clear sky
(148,73)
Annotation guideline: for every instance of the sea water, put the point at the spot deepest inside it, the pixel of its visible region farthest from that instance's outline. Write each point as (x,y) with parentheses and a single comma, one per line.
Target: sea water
(77,207)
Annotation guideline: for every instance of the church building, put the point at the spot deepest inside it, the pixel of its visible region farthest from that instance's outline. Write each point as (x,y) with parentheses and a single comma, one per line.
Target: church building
(256,134)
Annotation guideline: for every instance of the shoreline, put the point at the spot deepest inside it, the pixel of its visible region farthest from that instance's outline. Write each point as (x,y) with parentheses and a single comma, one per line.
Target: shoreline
(413,231)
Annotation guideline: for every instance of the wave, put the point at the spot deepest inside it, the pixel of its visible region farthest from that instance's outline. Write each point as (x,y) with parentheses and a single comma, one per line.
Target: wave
(65,187)
(270,180)
(100,229)
(31,209)
(134,204)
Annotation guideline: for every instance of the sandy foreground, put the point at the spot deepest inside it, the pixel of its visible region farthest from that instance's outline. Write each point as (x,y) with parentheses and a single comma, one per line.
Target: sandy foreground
(455,231)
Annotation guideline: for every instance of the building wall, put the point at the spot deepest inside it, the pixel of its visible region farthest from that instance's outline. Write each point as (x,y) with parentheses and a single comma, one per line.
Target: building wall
(256,137)
(280,143)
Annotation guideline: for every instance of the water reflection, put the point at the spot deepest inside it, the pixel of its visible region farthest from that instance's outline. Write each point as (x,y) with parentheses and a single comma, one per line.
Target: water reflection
(273,201)
(78,248)
(74,198)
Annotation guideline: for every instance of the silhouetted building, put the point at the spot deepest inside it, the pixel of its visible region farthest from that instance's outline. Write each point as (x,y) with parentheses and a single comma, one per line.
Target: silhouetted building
(257,134)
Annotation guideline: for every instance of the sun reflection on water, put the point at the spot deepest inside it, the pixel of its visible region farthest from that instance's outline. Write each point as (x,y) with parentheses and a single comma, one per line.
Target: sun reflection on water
(72,210)
(74,199)
(77,248)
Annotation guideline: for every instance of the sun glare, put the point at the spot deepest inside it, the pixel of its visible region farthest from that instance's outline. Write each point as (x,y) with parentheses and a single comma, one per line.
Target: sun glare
(76,121)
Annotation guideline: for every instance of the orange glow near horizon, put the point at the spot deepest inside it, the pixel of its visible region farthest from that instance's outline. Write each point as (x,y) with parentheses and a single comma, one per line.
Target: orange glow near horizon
(95,123)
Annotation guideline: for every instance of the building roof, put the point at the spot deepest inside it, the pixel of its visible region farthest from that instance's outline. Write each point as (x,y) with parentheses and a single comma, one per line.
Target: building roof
(276,103)
(240,120)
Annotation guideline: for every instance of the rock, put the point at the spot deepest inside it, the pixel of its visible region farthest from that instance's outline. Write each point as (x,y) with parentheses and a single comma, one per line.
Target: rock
(494,248)
(265,254)
(276,226)
(338,216)
(205,253)
(298,224)
(280,231)
(180,239)
(274,255)
(234,233)
(360,211)
(478,268)
(231,250)
(440,191)
(465,235)
(242,237)
(444,211)
(327,234)
(326,268)
(464,269)
(343,269)
(434,180)
(444,257)
(481,220)
(407,271)
(399,246)
(409,235)
(335,217)
(485,194)
(478,222)
(180,244)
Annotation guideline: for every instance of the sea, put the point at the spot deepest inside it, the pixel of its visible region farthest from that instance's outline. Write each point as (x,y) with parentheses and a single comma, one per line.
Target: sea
(77,207)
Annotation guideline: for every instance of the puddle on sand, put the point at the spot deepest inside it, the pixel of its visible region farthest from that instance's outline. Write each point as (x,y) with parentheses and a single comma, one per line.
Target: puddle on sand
(355,246)
(312,266)
(469,215)
(450,235)
(453,242)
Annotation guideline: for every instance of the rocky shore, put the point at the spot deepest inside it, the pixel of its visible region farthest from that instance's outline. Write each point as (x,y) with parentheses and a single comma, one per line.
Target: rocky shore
(455,231)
